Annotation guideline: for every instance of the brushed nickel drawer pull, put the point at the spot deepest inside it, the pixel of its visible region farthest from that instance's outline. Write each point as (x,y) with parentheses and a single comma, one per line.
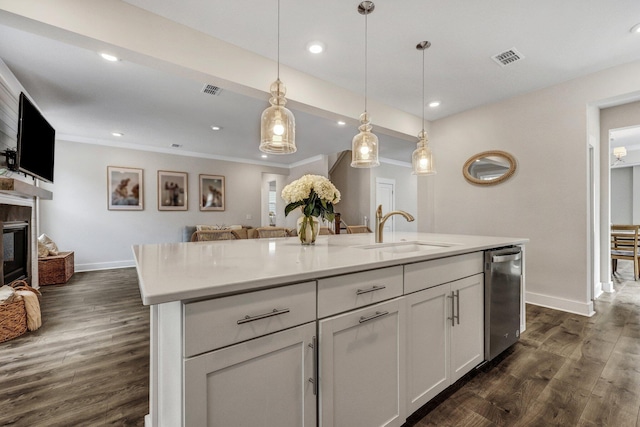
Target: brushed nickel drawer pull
(453,311)
(314,380)
(373,316)
(457,316)
(275,312)
(372,289)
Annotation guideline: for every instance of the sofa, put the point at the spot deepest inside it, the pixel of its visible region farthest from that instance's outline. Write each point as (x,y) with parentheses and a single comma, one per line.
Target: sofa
(243,231)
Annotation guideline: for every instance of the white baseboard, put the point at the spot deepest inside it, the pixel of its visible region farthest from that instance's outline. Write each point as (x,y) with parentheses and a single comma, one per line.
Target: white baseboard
(597,291)
(147,420)
(103,265)
(607,287)
(577,307)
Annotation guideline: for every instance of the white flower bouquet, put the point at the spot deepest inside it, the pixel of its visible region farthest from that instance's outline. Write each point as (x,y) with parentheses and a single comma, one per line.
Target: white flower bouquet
(314,193)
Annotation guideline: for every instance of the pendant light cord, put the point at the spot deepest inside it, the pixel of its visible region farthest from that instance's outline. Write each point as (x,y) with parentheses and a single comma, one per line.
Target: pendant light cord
(365,59)
(278,39)
(423,107)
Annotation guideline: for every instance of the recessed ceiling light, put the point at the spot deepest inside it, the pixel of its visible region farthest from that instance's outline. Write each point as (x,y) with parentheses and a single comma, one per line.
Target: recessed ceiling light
(341,123)
(118,134)
(109,57)
(315,47)
(264,156)
(434,104)
(214,127)
(635,29)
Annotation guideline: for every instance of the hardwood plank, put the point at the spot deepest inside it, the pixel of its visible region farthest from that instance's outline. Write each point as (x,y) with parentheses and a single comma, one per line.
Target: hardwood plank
(89,363)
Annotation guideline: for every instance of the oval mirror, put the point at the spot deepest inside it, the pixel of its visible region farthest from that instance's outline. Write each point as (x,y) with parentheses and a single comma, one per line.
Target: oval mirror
(489,167)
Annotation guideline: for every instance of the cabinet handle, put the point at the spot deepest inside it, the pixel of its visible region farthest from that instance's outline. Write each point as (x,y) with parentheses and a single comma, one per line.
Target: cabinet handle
(373,288)
(457,316)
(275,312)
(373,316)
(453,312)
(314,380)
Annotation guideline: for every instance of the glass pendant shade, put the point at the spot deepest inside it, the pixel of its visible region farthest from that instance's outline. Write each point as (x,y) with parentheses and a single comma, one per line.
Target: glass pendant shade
(422,158)
(277,124)
(364,146)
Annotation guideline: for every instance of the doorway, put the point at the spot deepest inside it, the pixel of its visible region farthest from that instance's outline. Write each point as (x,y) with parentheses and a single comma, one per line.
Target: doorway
(385,196)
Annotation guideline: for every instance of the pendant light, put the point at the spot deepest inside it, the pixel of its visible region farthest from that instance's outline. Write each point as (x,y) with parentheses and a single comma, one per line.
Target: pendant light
(422,158)
(277,124)
(364,146)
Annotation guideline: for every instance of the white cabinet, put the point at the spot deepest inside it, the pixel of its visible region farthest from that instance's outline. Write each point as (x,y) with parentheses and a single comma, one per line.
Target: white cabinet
(445,337)
(467,334)
(428,348)
(362,378)
(261,382)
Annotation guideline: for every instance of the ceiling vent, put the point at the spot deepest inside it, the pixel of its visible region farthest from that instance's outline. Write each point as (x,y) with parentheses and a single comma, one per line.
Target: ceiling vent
(211,90)
(508,57)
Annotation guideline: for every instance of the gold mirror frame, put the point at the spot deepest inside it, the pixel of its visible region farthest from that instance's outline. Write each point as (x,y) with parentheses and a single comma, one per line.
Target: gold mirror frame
(495,153)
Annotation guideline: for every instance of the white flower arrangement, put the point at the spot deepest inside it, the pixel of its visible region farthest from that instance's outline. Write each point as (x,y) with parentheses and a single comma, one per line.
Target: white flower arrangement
(314,193)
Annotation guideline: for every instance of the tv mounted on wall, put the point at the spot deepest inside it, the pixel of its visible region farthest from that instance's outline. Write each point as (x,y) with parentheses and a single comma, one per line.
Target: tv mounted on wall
(36,142)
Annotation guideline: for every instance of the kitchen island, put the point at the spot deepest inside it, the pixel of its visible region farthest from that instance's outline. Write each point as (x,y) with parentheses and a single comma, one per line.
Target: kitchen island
(271,332)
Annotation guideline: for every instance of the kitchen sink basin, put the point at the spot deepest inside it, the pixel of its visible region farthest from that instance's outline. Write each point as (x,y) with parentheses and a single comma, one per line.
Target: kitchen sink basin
(406,247)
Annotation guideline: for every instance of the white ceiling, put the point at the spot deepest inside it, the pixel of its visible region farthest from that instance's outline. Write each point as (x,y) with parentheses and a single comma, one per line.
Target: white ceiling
(86,98)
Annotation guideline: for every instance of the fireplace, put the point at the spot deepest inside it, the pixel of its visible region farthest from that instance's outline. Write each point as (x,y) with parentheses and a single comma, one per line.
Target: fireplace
(14,246)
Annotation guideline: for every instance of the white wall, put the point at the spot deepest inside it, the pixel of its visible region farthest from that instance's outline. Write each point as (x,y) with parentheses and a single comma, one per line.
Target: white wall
(77,218)
(547,199)
(622,195)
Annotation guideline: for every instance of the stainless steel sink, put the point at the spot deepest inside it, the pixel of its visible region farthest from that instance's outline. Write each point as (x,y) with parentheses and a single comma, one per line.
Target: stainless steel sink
(406,247)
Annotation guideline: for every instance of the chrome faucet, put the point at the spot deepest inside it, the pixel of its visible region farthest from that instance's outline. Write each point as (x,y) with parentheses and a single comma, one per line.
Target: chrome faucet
(380,220)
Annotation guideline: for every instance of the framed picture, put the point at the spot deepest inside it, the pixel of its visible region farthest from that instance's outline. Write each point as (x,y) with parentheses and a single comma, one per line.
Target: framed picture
(211,192)
(125,189)
(172,191)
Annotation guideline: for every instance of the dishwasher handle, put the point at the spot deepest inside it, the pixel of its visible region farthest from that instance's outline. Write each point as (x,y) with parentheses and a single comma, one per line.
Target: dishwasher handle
(506,258)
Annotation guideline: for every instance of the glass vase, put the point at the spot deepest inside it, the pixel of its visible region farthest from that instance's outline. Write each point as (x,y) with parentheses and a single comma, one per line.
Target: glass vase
(308,227)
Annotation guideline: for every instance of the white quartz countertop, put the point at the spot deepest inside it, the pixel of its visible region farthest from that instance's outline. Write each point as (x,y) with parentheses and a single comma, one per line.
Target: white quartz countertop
(186,271)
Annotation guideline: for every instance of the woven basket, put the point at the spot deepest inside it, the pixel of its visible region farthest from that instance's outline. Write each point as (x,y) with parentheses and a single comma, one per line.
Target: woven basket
(13,315)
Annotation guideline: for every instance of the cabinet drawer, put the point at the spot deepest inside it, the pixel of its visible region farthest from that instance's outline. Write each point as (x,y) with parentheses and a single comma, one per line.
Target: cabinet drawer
(220,322)
(342,293)
(427,274)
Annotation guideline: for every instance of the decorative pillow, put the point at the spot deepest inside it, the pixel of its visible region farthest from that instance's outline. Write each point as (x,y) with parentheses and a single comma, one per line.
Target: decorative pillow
(207,227)
(43,251)
(50,244)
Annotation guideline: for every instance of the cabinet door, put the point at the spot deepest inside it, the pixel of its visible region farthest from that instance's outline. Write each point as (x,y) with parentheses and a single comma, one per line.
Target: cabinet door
(428,371)
(261,382)
(467,332)
(362,377)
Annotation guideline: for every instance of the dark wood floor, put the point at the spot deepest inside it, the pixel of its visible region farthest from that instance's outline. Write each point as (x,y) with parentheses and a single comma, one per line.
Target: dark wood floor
(89,364)
(566,370)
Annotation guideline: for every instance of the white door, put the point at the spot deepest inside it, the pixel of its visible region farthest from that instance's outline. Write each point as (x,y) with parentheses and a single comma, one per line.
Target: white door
(427,345)
(385,196)
(362,377)
(467,329)
(260,382)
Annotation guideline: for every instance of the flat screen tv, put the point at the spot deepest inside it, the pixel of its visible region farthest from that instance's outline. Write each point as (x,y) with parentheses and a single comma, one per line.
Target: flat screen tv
(36,142)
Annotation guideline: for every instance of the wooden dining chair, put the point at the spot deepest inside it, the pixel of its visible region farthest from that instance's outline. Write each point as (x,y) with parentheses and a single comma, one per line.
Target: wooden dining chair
(210,235)
(325,231)
(270,232)
(624,245)
(354,229)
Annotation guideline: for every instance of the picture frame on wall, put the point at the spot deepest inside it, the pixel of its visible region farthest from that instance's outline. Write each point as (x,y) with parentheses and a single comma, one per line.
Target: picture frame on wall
(172,191)
(125,189)
(212,192)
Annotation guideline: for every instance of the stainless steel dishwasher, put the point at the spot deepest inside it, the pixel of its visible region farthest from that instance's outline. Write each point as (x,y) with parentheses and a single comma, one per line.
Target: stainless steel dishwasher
(502,284)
